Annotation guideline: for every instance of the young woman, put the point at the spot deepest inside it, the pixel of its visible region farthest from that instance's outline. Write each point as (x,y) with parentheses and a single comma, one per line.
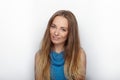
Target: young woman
(61,56)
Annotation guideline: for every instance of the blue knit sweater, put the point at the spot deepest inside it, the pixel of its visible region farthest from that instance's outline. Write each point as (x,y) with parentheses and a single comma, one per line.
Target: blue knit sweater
(57,66)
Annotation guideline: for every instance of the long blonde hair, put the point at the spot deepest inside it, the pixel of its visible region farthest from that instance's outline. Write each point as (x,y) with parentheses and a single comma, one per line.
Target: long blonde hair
(72,66)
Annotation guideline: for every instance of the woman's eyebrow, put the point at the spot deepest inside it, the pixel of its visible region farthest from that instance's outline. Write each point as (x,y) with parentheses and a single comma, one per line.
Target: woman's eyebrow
(60,27)
(53,24)
(64,27)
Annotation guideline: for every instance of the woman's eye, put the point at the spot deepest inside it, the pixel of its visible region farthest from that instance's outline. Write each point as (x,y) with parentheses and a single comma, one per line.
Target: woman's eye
(63,29)
(52,26)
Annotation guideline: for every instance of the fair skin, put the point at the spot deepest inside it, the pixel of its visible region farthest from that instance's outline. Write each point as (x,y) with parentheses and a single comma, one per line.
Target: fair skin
(59,33)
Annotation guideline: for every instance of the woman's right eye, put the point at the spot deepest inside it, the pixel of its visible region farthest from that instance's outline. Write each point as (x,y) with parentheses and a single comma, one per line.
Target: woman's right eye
(52,26)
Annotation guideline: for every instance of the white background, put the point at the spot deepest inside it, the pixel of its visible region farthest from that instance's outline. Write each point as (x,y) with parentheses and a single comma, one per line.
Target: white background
(23,23)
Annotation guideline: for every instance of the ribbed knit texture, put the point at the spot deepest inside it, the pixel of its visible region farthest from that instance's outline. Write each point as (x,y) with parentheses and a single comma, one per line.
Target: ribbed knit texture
(57,66)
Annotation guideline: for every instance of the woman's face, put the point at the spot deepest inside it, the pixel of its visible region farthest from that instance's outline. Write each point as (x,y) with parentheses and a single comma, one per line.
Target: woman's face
(59,30)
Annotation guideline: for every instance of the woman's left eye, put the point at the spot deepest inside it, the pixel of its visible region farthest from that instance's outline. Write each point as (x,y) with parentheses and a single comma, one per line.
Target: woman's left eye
(63,29)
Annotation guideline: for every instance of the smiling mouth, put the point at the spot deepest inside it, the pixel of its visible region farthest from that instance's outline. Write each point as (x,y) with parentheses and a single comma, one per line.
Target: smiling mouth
(55,38)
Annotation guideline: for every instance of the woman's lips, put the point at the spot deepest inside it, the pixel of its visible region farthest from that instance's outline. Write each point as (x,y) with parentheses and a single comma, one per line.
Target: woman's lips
(55,38)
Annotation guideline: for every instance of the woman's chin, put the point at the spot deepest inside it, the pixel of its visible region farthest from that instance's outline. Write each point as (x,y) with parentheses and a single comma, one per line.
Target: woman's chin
(56,42)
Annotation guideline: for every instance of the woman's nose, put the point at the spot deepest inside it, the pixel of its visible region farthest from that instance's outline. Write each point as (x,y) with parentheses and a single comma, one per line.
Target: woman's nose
(56,32)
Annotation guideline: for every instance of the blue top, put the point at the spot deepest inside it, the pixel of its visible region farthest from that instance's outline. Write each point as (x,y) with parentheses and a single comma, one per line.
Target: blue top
(57,66)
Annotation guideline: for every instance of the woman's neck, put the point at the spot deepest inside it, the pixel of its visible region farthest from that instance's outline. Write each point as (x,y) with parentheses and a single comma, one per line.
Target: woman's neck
(58,48)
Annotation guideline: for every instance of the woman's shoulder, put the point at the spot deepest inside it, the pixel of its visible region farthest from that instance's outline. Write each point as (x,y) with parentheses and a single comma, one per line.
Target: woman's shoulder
(37,56)
(83,56)
(82,52)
